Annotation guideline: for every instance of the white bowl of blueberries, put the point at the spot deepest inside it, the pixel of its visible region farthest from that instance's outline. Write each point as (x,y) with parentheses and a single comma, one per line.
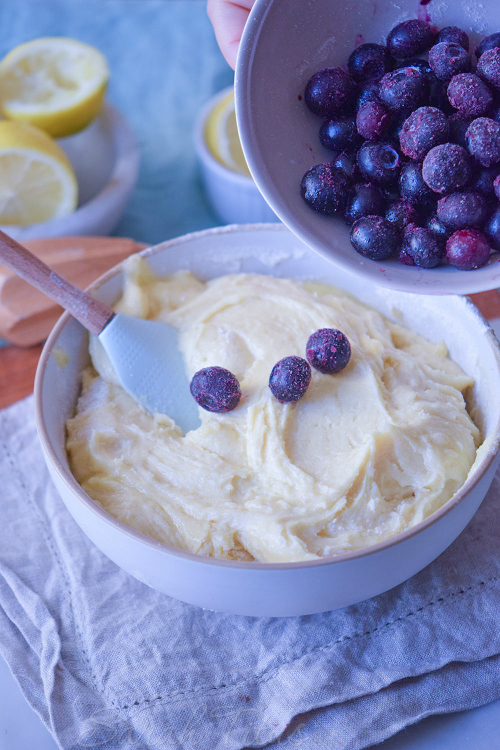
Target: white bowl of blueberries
(375,136)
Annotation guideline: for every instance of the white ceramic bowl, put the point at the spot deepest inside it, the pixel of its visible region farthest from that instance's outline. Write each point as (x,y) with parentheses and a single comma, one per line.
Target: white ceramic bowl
(279,589)
(284,43)
(105,158)
(234,197)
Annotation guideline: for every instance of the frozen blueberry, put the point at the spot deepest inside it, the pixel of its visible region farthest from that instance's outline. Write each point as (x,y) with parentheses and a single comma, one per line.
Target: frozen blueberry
(488,43)
(375,237)
(215,389)
(368,92)
(488,67)
(483,140)
(409,38)
(439,97)
(401,213)
(340,134)
(289,379)
(492,229)
(346,161)
(447,168)
(469,94)
(404,89)
(379,162)
(496,186)
(424,128)
(438,229)
(396,128)
(413,188)
(369,62)
(447,59)
(405,258)
(325,188)
(455,35)
(421,66)
(372,121)
(328,350)
(483,181)
(364,200)
(458,127)
(467,249)
(422,246)
(391,192)
(462,210)
(330,93)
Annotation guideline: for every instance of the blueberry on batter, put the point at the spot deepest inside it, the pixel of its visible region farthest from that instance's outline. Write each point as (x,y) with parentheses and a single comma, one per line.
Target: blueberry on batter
(328,350)
(289,379)
(215,389)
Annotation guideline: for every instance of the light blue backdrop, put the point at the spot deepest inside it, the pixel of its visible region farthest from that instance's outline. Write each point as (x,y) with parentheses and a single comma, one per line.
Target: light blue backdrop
(165,64)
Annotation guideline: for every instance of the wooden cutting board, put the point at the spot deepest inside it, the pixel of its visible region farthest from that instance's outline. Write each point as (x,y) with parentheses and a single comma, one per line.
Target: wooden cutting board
(27,315)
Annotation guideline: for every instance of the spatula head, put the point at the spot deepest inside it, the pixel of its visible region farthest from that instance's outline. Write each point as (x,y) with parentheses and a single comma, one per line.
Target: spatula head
(147,361)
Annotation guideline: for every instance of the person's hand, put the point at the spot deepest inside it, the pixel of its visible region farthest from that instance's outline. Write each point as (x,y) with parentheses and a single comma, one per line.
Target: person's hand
(228,19)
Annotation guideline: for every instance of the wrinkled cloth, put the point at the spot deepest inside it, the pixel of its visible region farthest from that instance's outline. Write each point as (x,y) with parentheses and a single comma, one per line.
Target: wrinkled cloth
(109,663)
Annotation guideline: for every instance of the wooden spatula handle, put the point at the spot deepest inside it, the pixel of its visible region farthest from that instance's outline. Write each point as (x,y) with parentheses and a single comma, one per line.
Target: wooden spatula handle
(91,313)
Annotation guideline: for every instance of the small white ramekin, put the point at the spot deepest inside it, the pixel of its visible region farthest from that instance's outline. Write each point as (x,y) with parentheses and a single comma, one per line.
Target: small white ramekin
(234,197)
(285,588)
(105,158)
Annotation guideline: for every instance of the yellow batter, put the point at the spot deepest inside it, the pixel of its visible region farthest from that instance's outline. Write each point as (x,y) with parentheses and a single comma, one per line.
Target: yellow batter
(362,456)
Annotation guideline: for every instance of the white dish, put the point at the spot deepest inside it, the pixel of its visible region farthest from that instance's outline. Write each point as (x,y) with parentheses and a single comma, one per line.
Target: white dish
(284,43)
(291,588)
(234,197)
(105,158)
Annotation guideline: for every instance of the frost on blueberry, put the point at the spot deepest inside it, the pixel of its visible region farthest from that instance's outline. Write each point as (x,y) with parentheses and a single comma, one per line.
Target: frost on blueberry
(215,389)
(325,188)
(289,379)
(328,350)
(447,168)
(425,128)
(468,249)
(330,92)
(410,38)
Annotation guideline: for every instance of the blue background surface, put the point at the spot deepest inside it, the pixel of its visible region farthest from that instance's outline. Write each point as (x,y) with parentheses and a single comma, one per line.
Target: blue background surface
(165,65)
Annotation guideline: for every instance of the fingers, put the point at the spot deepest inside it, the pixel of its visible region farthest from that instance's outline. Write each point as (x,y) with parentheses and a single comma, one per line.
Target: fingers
(228,19)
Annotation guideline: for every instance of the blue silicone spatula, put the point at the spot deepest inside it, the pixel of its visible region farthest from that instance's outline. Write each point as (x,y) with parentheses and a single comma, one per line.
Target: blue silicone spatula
(144,353)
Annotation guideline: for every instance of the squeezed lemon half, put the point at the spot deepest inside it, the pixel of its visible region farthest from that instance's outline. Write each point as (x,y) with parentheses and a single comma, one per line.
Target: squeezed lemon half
(55,83)
(37,181)
(222,138)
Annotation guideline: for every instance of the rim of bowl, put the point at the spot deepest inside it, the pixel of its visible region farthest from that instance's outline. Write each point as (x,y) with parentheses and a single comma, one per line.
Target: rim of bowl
(125,170)
(67,477)
(205,155)
(439,281)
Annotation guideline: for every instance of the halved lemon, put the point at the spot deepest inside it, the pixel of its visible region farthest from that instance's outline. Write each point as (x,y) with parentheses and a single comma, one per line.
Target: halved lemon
(54,83)
(221,135)
(37,181)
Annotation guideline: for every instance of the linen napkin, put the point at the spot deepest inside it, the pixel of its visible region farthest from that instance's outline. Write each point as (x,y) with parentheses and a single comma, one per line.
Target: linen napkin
(109,663)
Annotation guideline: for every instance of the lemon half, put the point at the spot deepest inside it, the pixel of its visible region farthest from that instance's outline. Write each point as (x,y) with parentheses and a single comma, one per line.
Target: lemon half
(222,138)
(37,181)
(54,83)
